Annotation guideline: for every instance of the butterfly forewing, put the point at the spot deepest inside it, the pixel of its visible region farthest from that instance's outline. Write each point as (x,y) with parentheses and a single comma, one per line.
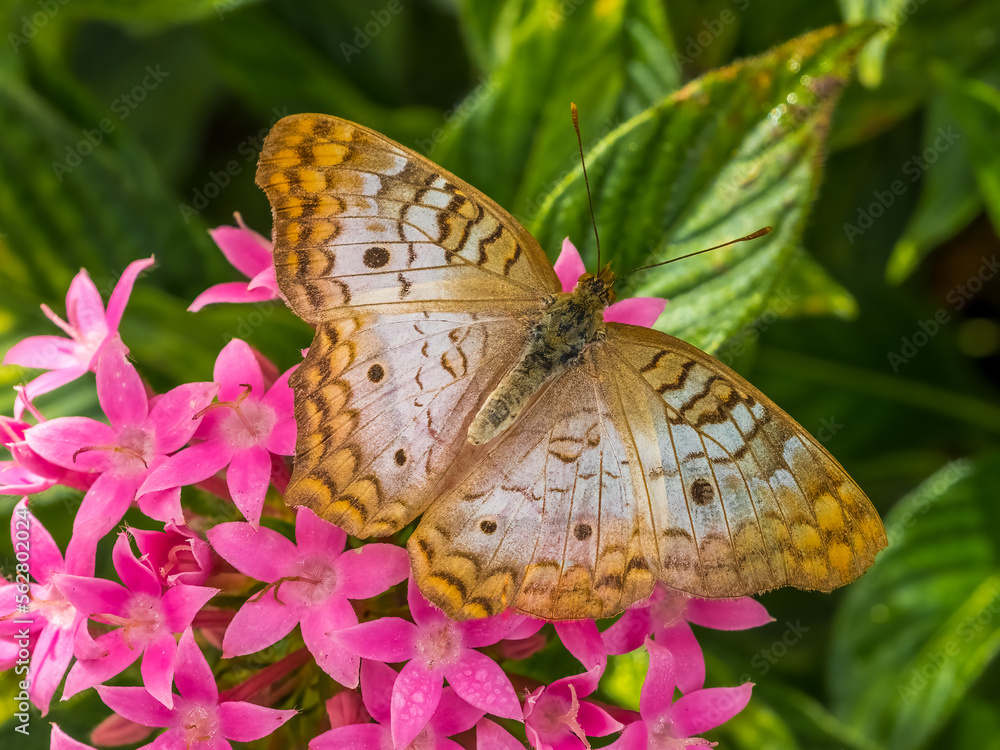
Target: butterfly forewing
(361,222)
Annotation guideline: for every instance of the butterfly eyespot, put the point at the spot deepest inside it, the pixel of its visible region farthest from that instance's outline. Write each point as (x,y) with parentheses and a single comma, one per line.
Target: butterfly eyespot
(376,257)
(488,527)
(701,491)
(376,373)
(582,531)
(400,457)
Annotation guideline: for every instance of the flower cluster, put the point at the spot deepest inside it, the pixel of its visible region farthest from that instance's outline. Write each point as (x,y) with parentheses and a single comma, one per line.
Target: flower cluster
(199,629)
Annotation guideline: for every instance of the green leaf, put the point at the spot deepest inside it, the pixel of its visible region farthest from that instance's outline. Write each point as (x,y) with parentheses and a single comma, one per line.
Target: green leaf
(153,12)
(918,629)
(949,198)
(512,138)
(976,105)
(811,290)
(735,150)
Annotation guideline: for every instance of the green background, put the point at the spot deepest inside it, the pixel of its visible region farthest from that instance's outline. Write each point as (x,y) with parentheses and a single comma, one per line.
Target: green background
(129,128)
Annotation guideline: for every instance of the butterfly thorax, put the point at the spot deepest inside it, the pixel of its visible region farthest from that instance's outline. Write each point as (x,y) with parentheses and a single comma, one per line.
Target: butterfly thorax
(569,323)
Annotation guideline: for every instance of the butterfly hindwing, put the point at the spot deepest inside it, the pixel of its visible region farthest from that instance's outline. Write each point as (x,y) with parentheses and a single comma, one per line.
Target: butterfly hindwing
(746,500)
(362,222)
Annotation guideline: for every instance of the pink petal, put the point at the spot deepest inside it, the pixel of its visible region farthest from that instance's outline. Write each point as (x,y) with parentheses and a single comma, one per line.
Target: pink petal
(58,441)
(658,688)
(86,673)
(317,535)
(248,477)
(189,466)
(136,704)
(119,387)
(266,279)
(689,663)
(346,708)
(245,722)
(59,740)
(635,737)
(193,676)
(636,311)
(231,292)
(157,668)
(727,614)
(247,250)
(569,266)
(595,721)
(258,624)
(172,415)
(454,714)
(280,396)
(490,630)
(52,654)
(181,602)
(369,570)
(235,367)
(354,737)
(45,353)
(281,441)
(123,290)
(163,505)
(582,639)
(85,308)
(138,577)
(335,659)
(93,595)
(629,632)
(263,553)
(421,610)
(415,696)
(388,639)
(45,556)
(45,383)
(697,712)
(102,508)
(491,736)
(377,680)
(480,681)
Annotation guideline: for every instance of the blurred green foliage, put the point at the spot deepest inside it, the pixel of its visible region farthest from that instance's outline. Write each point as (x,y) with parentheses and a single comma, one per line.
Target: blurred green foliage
(871,313)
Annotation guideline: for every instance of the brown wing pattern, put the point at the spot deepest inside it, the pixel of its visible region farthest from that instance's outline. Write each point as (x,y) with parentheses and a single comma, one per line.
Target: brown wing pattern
(364,223)
(744,499)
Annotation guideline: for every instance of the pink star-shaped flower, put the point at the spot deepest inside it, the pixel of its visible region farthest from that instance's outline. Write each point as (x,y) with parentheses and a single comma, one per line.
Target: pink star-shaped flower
(452,715)
(311,583)
(176,554)
(147,618)
(28,473)
(241,430)
(556,719)
(250,253)
(637,311)
(665,616)
(88,328)
(141,434)
(669,724)
(436,648)
(196,719)
(42,615)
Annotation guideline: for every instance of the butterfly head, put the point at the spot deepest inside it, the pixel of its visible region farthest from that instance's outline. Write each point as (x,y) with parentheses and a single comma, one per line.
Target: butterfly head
(600,286)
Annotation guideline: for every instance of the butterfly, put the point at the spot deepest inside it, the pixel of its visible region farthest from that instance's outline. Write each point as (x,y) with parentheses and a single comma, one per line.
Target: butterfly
(562,464)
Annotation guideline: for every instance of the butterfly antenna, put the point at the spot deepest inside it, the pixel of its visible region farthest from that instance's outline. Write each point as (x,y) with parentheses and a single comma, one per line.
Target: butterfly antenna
(579,140)
(751,236)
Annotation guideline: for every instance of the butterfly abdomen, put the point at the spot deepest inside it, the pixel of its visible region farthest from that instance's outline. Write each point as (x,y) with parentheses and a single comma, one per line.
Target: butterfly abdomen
(569,323)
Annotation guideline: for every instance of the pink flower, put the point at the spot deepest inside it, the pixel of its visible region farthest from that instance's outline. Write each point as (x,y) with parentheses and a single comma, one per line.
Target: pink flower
(59,740)
(250,253)
(242,430)
(176,554)
(88,328)
(310,584)
(147,617)
(42,615)
(29,473)
(669,725)
(140,436)
(451,716)
(436,648)
(582,639)
(197,719)
(637,311)
(556,719)
(491,736)
(666,615)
